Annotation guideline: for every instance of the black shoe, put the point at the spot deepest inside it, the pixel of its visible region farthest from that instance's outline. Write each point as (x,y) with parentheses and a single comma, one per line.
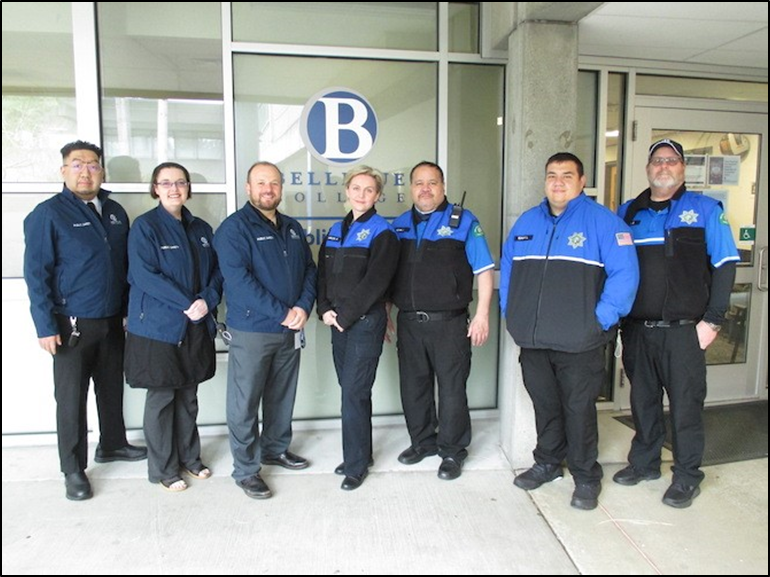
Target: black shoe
(450,469)
(633,476)
(78,486)
(255,487)
(680,495)
(340,469)
(127,453)
(586,496)
(352,482)
(537,475)
(414,455)
(287,460)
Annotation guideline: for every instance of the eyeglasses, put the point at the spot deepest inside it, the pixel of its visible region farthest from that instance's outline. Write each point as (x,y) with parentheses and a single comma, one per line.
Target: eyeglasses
(168,185)
(667,160)
(77,166)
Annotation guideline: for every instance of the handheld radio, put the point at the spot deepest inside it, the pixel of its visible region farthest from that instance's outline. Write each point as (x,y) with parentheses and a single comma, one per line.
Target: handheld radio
(457,212)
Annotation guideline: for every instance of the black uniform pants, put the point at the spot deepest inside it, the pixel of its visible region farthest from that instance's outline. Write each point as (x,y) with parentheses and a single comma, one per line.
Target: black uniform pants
(564,388)
(670,359)
(171,431)
(357,353)
(98,355)
(430,352)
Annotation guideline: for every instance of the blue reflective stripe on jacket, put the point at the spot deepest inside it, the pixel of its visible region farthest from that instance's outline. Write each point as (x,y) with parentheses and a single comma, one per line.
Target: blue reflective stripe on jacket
(566,280)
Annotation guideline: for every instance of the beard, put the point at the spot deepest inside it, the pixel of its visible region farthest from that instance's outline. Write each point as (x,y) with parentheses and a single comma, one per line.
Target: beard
(665,181)
(266,203)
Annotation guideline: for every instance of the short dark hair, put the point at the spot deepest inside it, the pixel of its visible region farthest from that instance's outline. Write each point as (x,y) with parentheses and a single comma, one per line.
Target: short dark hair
(263,163)
(565,157)
(160,167)
(71,147)
(427,163)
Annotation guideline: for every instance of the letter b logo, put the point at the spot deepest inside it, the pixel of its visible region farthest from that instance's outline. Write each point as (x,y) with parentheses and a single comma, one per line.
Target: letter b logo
(339,126)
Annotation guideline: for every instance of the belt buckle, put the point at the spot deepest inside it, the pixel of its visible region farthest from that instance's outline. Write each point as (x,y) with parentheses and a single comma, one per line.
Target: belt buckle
(422,316)
(651,324)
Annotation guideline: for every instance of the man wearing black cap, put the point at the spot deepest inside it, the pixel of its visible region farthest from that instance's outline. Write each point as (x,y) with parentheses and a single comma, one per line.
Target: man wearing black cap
(687,259)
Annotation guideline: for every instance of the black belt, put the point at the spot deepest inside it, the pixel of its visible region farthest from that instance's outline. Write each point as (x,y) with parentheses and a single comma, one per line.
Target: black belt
(426,316)
(662,324)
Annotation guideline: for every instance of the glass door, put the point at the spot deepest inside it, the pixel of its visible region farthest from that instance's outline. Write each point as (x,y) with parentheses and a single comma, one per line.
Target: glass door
(725,153)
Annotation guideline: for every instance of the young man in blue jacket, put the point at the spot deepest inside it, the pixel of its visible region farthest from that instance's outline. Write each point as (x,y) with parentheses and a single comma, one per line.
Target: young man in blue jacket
(687,258)
(569,274)
(75,269)
(270,288)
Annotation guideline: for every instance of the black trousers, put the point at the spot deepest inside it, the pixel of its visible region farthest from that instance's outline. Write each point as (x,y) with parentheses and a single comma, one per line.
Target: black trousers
(564,388)
(670,359)
(171,431)
(357,353)
(430,352)
(98,355)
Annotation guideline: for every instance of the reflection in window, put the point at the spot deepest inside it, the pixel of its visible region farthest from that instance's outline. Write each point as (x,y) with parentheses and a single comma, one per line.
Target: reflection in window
(39,113)
(730,346)
(394,25)
(162,88)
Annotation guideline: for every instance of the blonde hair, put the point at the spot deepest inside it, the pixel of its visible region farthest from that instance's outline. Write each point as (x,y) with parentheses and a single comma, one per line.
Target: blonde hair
(368,171)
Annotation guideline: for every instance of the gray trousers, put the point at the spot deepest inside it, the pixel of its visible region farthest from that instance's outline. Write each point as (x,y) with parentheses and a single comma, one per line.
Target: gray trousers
(171,432)
(261,366)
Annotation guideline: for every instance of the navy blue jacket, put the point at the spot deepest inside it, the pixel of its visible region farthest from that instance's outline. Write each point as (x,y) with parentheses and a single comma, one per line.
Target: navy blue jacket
(161,272)
(74,262)
(566,281)
(267,271)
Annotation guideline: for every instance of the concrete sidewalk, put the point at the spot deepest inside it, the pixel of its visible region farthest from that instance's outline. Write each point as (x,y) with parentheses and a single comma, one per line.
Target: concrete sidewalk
(403,520)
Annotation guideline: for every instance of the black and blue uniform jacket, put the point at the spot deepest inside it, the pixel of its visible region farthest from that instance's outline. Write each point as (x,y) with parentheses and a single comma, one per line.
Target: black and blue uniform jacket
(435,272)
(75,262)
(163,254)
(356,263)
(687,255)
(565,281)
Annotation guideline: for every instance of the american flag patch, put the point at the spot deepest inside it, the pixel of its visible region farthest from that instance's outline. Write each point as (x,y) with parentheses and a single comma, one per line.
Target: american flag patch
(624,239)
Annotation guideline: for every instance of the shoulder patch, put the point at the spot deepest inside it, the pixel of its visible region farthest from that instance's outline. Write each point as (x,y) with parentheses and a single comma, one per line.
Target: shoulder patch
(723,218)
(477,230)
(624,239)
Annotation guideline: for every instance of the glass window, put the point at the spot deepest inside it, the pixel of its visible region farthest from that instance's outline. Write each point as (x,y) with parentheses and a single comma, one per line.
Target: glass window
(39,113)
(162,96)
(613,155)
(700,88)
(587,110)
(476,109)
(270,93)
(395,25)
(464,27)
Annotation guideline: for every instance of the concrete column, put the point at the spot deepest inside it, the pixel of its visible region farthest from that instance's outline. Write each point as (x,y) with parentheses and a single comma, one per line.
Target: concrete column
(542,108)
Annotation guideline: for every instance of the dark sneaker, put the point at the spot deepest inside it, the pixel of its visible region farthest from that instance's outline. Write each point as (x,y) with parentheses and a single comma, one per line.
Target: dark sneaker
(586,496)
(537,475)
(680,496)
(633,476)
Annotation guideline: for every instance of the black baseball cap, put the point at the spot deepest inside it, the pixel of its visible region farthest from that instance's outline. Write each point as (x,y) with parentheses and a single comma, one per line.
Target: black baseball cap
(672,144)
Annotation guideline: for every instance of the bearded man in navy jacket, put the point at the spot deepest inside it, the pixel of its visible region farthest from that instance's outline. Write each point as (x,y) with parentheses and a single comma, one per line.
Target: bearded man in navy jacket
(270,288)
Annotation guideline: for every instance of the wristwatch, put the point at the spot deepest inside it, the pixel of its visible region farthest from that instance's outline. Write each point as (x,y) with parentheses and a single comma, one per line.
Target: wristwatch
(714,327)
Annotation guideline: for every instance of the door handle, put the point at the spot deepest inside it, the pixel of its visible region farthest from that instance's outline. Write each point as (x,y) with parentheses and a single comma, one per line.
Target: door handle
(762,270)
